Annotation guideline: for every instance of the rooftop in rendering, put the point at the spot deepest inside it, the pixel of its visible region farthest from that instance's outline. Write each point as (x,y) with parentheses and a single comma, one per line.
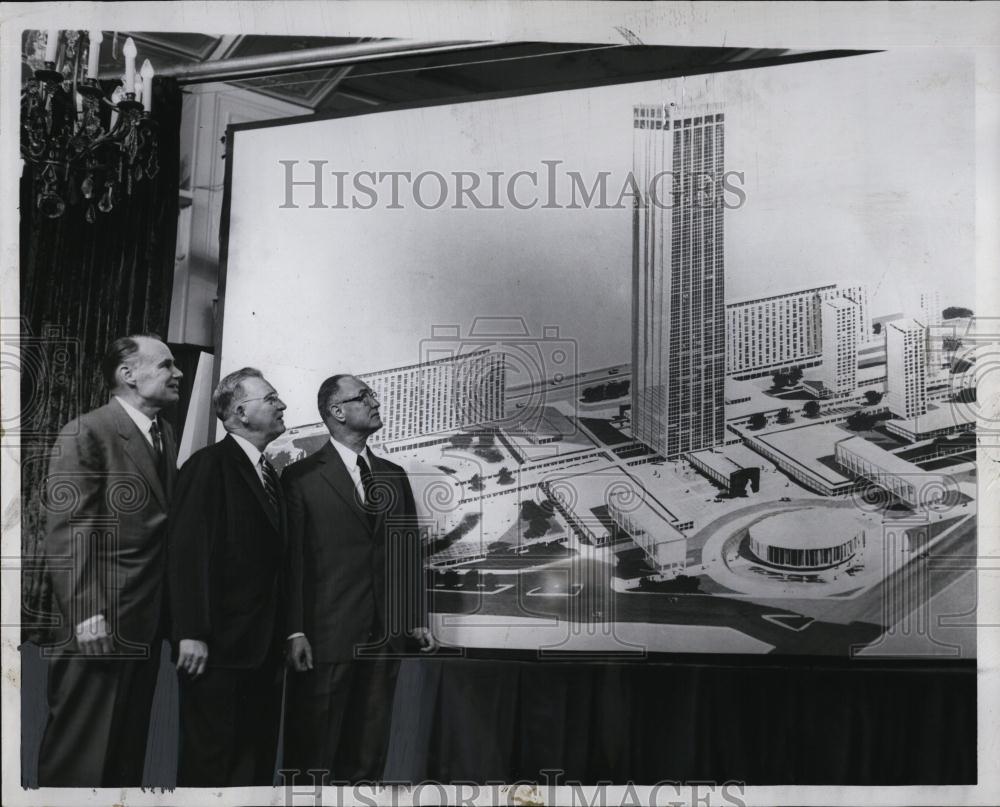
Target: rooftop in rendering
(806,445)
(884,460)
(941,417)
(729,459)
(809,528)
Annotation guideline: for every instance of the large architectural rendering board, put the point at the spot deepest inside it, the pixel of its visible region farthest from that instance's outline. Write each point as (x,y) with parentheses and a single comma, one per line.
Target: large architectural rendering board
(684,365)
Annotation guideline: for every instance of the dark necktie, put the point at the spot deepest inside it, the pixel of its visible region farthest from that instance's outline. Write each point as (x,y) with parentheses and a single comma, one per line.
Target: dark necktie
(367,482)
(270,477)
(160,454)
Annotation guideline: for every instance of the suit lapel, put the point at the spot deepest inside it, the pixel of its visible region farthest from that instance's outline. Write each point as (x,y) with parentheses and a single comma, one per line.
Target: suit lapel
(384,474)
(245,469)
(336,475)
(138,450)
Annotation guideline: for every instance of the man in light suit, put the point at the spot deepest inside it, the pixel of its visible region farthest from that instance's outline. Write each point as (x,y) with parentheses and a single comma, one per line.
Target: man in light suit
(355,591)
(226,550)
(106,501)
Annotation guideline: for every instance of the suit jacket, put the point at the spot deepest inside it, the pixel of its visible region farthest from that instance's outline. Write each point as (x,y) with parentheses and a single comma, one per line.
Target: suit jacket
(225,550)
(106,512)
(349,574)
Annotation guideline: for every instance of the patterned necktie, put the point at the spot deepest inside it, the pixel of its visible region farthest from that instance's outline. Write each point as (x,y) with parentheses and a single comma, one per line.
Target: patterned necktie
(161,468)
(367,482)
(270,477)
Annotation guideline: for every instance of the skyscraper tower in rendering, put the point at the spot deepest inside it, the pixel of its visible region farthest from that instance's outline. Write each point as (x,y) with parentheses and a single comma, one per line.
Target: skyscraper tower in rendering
(906,368)
(839,372)
(678,278)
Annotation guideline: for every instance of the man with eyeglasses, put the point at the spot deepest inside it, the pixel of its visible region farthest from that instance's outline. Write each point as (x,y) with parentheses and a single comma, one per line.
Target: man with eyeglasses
(355,591)
(226,550)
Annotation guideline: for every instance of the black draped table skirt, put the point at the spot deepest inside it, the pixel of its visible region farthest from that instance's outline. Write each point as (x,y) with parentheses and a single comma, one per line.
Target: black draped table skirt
(761,723)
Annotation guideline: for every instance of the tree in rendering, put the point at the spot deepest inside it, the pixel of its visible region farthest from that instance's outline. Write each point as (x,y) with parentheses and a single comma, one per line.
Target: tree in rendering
(873,397)
(780,380)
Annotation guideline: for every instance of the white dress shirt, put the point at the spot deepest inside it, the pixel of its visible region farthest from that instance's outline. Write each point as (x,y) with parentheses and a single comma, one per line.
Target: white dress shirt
(253,454)
(350,458)
(140,419)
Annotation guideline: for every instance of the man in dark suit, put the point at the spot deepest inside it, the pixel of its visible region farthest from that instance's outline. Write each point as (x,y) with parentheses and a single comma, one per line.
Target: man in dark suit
(106,500)
(355,590)
(226,550)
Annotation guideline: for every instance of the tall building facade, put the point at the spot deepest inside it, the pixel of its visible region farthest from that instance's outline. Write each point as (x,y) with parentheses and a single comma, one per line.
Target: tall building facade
(440,395)
(859,296)
(678,278)
(839,372)
(764,334)
(930,308)
(906,368)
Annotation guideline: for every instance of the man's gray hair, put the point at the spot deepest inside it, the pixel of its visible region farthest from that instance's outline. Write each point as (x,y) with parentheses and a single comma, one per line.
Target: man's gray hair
(228,390)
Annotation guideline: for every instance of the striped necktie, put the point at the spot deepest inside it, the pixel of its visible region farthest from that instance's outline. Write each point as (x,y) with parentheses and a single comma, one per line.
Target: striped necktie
(271,487)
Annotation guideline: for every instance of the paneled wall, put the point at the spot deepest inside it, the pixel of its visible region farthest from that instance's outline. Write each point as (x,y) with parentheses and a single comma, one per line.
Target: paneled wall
(207,110)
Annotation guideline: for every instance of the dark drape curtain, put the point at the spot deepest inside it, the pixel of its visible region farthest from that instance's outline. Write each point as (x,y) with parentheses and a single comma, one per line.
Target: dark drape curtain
(787,722)
(82,286)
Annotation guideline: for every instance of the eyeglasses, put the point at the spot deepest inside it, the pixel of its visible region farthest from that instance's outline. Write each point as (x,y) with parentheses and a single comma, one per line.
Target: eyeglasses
(367,396)
(271,398)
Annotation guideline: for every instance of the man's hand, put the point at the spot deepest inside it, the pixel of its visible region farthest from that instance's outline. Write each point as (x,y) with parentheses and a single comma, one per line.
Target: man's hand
(192,657)
(93,638)
(300,654)
(428,644)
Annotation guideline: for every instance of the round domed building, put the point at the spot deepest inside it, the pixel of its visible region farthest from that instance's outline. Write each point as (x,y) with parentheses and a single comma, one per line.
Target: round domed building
(807,539)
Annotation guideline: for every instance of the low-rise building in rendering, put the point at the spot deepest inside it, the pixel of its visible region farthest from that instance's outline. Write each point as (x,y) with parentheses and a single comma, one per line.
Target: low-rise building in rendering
(665,546)
(805,453)
(937,421)
(734,468)
(904,480)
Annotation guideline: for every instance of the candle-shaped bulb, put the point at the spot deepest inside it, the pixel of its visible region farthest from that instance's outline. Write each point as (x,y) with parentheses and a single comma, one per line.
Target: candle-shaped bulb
(116,98)
(94,53)
(147,74)
(130,53)
(52,45)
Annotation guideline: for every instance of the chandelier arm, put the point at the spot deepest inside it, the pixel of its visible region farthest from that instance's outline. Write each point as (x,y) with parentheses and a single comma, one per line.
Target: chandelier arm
(74,157)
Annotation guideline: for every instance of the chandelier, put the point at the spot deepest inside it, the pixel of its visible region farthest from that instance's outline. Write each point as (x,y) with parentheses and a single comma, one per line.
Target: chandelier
(88,141)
